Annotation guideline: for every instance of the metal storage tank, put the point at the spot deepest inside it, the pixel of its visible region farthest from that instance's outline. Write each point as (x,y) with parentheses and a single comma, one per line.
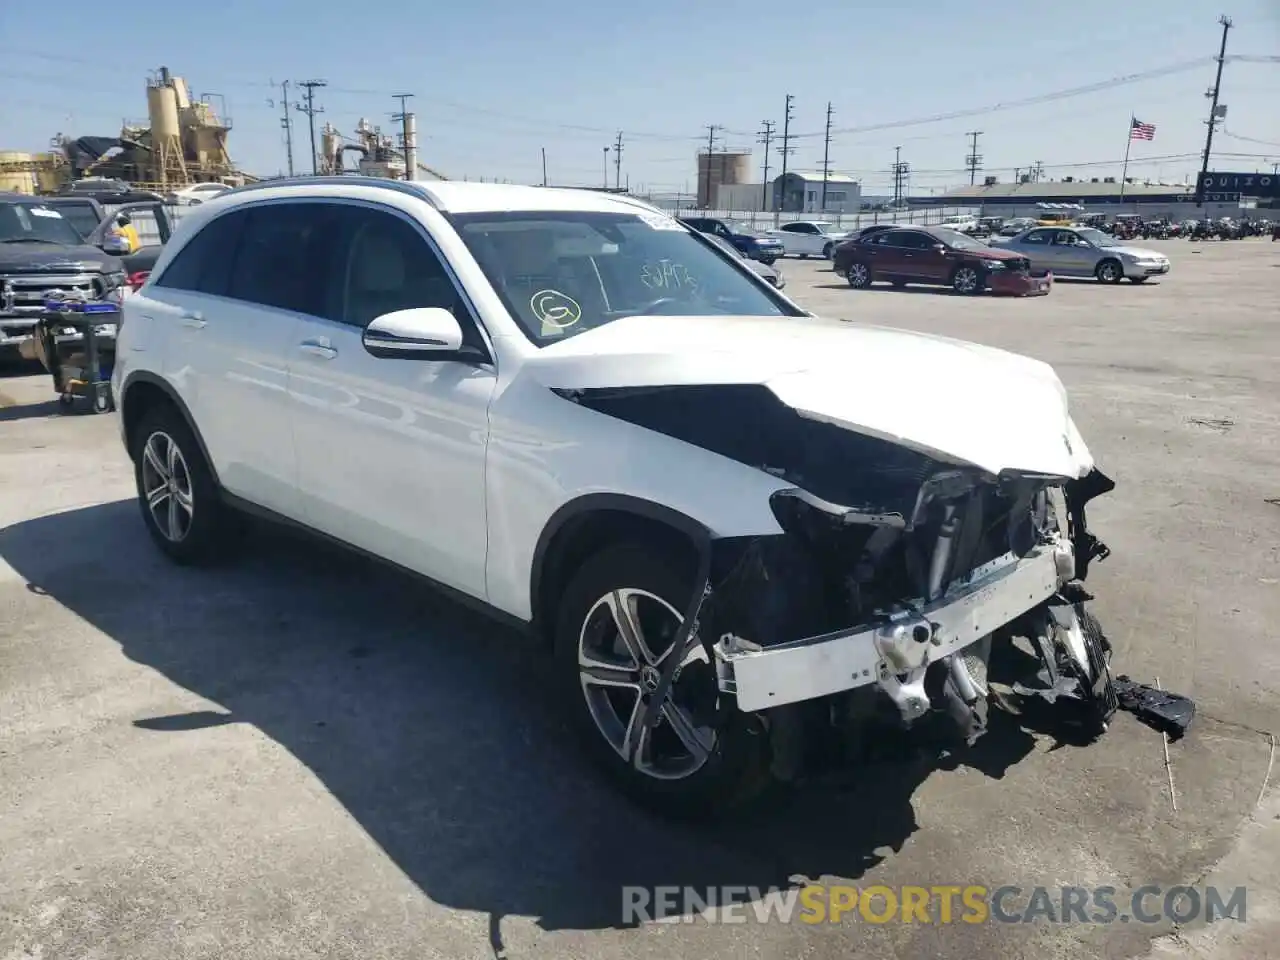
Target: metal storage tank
(162,109)
(715,169)
(16,181)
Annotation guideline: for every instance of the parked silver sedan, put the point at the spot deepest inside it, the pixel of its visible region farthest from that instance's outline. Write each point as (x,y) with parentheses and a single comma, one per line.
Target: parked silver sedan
(1085,252)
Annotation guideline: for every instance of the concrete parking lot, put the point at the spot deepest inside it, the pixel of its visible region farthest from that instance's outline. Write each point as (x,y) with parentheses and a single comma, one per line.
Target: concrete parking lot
(304,755)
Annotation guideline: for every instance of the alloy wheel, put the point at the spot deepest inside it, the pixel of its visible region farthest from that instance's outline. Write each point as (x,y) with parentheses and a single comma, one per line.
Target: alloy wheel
(966,280)
(857,274)
(166,487)
(625,641)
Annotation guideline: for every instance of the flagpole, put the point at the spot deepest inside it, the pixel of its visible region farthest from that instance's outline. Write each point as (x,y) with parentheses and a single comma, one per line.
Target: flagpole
(1128,145)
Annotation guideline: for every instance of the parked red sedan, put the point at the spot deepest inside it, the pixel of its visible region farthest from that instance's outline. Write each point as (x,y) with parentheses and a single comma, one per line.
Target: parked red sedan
(938,257)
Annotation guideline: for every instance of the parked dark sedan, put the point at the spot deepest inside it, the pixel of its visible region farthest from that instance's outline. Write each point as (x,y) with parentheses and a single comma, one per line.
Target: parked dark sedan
(763,249)
(938,257)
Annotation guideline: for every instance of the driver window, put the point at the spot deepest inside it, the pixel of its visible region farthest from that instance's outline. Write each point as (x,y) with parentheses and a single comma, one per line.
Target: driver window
(1066,238)
(384,266)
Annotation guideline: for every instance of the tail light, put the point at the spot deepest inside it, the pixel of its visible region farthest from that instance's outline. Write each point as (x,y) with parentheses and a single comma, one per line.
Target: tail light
(137,279)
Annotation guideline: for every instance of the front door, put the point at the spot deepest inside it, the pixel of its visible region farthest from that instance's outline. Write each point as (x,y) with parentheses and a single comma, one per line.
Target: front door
(391,453)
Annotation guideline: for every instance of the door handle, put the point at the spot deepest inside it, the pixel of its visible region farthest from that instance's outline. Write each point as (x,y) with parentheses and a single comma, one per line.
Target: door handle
(319,347)
(193,320)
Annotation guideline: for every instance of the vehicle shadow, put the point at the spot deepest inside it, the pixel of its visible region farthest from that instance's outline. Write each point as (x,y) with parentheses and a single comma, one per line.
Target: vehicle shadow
(437,730)
(30,411)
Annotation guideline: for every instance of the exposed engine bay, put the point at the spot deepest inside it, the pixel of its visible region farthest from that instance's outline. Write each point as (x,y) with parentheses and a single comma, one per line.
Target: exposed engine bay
(896,578)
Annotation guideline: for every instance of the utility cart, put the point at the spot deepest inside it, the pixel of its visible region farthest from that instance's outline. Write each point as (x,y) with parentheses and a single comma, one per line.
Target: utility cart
(76,342)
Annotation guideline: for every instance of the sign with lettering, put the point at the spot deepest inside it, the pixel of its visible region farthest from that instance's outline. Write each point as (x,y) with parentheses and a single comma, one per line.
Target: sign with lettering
(1231,186)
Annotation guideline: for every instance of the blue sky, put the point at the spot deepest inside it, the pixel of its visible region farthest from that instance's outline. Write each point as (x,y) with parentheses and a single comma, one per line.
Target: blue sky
(496,80)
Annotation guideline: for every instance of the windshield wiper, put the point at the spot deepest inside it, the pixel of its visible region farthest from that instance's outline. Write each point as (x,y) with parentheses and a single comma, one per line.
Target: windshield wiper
(32,240)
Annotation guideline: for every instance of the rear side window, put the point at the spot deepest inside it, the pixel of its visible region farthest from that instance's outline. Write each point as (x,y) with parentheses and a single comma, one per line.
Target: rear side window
(204,264)
(282,255)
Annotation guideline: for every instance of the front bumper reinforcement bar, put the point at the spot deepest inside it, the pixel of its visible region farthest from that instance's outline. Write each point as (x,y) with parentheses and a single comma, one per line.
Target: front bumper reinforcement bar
(895,652)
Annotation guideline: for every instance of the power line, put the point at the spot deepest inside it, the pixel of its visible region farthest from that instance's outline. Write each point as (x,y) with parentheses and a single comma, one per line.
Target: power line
(826,158)
(974,160)
(785,148)
(1213,110)
(765,136)
(1068,93)
(311,110)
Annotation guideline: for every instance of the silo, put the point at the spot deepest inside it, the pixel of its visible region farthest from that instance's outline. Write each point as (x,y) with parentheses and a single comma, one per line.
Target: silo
(166,131)
(12,176)
(722,167)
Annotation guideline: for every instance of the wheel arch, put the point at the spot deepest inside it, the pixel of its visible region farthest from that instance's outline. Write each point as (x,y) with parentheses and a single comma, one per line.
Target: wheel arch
(141,392)
(587,523)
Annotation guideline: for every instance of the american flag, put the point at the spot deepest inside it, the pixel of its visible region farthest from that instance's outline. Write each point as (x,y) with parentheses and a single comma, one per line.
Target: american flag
(1142,131)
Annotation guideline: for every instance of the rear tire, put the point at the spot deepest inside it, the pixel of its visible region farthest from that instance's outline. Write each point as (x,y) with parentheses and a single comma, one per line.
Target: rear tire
(177,494)
(826,251)
(704,756)
(858,275)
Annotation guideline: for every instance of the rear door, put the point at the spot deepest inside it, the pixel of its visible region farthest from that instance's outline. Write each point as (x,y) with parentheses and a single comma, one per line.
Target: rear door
(233,298)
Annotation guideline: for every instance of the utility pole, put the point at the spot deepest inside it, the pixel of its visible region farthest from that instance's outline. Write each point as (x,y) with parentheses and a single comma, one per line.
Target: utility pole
(974,160)
(311,110)
(826,158)
(786,149)
(765,136)
(1213,110)
(403,118)
(617,162)
(705,202)
(544,166)
(900,172)
(286,124)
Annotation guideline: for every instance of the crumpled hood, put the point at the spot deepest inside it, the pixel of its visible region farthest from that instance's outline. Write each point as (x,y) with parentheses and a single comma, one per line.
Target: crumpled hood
(959,401)
(44,257)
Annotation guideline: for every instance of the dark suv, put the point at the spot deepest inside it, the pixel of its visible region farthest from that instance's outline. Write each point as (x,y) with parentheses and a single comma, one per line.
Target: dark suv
(42,254)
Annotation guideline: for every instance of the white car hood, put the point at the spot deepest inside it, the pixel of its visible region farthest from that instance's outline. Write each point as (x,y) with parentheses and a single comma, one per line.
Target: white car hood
(954,400)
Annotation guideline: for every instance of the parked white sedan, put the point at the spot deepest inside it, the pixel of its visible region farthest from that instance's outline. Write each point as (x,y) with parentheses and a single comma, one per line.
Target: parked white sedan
(808,238)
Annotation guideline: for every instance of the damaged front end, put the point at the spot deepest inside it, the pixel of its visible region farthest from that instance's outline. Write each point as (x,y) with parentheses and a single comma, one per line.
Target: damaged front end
(895,579)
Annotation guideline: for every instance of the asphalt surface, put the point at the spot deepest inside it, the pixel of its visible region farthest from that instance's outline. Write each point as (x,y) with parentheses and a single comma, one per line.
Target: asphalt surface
(304,755)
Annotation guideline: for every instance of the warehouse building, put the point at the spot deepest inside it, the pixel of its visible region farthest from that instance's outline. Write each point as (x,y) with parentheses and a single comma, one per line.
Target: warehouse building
(796,191)
(1176,201)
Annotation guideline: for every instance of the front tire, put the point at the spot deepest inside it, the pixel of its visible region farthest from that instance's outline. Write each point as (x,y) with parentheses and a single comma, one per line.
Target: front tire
(177,494)
(1109,271)
(826,251)
(967,280)
(617,621)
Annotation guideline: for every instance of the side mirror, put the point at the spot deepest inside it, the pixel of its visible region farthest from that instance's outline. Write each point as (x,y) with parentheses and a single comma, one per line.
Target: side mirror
(116,245)
(940,248)
(419,333)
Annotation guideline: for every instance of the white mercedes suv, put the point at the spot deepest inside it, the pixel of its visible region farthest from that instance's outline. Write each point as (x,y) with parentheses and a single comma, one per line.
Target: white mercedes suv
(735,524)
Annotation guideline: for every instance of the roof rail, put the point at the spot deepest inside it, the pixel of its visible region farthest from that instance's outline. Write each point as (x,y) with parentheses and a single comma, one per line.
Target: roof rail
(329,180)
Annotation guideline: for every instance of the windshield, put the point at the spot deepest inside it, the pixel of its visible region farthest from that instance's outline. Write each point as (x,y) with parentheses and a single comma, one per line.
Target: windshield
(1097,237)
(81,216)
(560,273)
(32,223)
(958,241)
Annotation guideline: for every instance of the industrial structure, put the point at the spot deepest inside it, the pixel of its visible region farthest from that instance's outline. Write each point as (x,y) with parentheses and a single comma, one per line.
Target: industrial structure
(183,141)
(720,168)
(796,191)
(379,154)
(1106,195)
